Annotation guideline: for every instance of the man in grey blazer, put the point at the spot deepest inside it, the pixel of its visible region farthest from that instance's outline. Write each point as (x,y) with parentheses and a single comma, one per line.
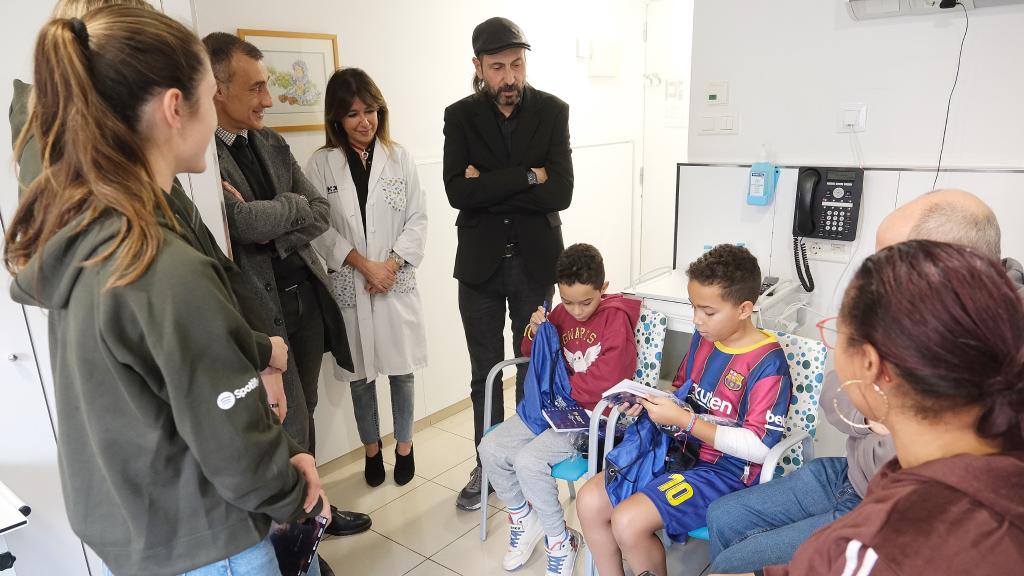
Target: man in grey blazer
(273,213)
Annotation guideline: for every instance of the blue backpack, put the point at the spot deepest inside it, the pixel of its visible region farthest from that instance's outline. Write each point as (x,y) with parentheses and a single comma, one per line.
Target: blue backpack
(639,458)
(547,380)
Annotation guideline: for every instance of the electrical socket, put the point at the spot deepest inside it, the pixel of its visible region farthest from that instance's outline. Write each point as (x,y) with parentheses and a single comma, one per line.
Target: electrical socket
(829,251)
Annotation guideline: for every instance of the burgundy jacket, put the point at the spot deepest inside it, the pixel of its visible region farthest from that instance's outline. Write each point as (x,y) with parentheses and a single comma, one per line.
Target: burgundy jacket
(958,515)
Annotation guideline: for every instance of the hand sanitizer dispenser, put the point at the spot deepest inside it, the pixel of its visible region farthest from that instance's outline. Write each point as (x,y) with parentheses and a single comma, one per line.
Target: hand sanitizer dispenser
(764,175)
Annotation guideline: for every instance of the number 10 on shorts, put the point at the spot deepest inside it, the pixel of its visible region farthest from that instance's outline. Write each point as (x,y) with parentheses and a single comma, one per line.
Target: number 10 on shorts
(677,490)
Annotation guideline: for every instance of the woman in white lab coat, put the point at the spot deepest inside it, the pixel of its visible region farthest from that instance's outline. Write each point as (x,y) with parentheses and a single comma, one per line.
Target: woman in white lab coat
(375,243)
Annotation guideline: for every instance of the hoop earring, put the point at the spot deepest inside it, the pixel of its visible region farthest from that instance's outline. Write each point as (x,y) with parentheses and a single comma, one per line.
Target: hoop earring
(842,390)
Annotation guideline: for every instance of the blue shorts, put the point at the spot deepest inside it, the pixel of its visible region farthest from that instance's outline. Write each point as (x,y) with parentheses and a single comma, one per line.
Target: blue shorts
(682,498)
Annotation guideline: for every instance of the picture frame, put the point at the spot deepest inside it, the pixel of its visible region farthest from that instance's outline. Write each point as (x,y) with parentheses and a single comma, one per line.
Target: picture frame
(299,64)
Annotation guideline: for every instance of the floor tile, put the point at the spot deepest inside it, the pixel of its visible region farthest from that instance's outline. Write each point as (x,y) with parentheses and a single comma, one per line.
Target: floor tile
(368,554)
(469,556)
(425,520)
(460,424)
(431,568)
(347,489)
(436,451)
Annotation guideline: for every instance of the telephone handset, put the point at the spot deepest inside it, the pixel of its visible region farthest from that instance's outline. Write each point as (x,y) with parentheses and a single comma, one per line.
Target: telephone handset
(828,207)
(803,218)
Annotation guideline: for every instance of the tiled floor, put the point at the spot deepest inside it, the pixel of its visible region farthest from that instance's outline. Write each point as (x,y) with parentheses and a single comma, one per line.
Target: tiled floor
(417,531)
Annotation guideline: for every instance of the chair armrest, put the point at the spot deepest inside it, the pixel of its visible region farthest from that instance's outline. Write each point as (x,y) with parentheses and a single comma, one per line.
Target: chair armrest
(595,427)
(772,459)
(488,397)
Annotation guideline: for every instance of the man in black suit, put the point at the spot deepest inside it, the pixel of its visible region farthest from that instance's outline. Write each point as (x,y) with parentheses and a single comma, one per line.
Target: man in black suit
(273,213)
(508,170)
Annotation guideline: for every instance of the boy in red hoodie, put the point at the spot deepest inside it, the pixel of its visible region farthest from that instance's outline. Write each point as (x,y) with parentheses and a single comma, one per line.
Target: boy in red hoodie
(596,331)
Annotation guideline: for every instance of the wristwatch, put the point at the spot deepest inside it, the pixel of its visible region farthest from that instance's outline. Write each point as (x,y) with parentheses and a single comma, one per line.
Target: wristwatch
(531,177)
(398,259)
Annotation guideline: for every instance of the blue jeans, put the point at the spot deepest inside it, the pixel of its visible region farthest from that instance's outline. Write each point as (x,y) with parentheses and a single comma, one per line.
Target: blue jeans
(364,404)
(256,561)
(765,524)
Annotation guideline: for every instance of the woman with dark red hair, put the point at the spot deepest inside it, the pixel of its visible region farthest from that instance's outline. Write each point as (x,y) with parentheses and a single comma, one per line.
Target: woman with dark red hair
(930,342)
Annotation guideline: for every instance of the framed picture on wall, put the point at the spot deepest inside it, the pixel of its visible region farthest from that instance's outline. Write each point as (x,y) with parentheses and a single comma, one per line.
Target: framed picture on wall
(299,65)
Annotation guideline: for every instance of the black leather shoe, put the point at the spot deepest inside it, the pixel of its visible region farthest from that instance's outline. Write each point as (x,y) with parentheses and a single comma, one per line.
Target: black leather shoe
(405,467)
(345,523)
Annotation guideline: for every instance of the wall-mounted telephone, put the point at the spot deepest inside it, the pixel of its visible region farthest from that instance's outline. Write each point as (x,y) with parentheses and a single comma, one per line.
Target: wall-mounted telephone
(827,206)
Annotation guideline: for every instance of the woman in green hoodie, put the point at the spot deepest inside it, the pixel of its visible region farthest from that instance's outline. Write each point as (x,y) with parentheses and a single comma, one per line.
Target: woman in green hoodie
(170,458)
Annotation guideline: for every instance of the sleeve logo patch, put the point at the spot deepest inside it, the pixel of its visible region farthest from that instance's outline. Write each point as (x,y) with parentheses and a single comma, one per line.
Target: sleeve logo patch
(226,400)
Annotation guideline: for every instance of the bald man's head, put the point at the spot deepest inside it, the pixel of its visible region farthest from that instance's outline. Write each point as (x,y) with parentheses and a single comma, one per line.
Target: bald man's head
(953,216)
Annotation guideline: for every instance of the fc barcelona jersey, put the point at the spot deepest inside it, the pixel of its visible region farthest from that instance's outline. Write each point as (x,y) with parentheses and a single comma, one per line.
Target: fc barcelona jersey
(748,386)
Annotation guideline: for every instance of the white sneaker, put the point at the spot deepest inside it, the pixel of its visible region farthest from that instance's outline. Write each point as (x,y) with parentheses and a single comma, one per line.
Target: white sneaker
(562,558)
(523,538)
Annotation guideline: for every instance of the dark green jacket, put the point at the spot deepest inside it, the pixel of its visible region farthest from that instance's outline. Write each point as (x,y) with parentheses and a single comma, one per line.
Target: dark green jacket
(170,458)
(194,231)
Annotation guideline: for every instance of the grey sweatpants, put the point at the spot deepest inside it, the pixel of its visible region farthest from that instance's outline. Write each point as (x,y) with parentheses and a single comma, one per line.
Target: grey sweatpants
(518,464)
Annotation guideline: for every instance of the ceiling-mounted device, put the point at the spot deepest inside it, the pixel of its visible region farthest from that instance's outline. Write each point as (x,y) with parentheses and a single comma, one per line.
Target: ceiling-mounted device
(870,9)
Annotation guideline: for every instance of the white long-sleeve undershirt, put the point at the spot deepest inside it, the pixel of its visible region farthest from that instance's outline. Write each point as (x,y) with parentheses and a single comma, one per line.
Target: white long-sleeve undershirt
(741,443)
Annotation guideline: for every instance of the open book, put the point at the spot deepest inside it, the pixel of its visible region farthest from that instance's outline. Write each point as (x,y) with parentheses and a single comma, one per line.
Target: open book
(629,391)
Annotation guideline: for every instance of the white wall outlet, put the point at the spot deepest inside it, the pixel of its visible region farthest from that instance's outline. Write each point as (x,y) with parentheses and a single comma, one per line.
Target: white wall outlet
(829,251)
(852,118)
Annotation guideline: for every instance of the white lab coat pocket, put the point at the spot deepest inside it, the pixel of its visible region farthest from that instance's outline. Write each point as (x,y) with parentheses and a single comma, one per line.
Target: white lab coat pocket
(405,280)
(343,287)
(394,192)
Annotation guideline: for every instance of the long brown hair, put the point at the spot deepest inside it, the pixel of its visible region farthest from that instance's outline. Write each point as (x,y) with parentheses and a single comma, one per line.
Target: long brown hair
(342,89)
(949,321)
(92,78)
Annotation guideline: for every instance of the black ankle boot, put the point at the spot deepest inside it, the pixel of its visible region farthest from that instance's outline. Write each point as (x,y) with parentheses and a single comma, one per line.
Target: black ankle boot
(374,468)
(405,467)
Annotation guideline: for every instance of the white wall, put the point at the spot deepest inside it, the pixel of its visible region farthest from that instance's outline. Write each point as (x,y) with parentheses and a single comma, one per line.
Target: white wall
(791,64)
(420,55)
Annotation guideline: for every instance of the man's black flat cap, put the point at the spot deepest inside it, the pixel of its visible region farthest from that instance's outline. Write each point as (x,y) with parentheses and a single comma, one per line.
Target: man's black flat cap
(496,34)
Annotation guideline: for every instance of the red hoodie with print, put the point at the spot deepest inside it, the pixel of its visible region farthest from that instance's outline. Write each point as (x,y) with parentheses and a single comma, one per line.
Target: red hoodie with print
(600,352)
